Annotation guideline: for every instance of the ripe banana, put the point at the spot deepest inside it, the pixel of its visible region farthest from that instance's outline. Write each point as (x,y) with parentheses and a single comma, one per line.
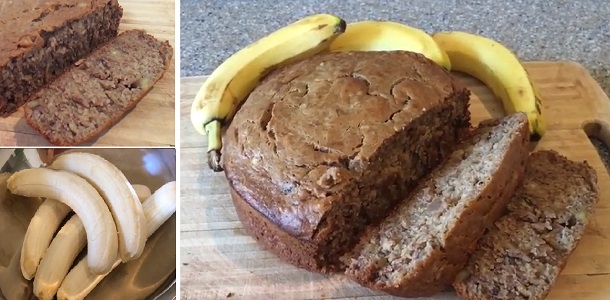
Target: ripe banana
(63,251)
(230,84)
(118,194)
(55,264)
(148,273)
(142,191)
(84,200)
(40,232)
(158,208)
(16,214)
(389,36)
(499,68)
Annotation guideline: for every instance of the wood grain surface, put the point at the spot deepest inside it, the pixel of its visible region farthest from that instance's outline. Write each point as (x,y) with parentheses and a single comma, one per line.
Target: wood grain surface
(219,260)
(152,121)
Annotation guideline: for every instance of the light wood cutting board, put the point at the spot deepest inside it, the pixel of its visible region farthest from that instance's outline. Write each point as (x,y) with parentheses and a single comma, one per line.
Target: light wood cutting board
(152,121)
(220,260)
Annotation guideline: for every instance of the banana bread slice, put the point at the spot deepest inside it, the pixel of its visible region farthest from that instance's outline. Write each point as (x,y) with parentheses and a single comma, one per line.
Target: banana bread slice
(100,89)
(419,249)
(522,255)
(41,39)
(328,145)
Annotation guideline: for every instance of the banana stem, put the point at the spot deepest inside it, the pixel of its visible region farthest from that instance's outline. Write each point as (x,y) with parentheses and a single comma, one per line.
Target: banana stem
(214,134)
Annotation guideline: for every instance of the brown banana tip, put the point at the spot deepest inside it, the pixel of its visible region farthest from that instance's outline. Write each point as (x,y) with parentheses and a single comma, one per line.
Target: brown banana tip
(214,161)
(341,26)
(535,137)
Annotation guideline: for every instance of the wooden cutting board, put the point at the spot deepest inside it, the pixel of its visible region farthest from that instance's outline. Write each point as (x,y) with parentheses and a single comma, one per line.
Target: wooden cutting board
(152,121)
(219,260)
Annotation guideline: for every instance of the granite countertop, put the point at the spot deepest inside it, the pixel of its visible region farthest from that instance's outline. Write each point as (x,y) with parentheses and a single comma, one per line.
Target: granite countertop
(212,30)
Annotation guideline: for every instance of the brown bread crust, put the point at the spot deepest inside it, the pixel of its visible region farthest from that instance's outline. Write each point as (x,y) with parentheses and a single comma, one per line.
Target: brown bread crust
(437,270)
(326,146)
(294,251)
(523,254)
(100,89)
(44,38)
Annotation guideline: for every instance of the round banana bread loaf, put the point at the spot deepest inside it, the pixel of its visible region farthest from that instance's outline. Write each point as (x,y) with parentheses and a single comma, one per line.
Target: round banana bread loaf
(324,147)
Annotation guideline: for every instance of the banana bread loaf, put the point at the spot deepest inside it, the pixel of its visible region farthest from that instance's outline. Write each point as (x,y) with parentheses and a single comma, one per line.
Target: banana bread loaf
(40,39)
(102,87)
(326,146)
(524,252)
(419,249)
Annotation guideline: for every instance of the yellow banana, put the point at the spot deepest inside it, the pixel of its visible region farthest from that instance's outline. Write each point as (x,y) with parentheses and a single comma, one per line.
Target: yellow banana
(158,208)
(389,36)
(84,200)
(64,249)
(499,68)
(118,194)
(230,84)
(40,232)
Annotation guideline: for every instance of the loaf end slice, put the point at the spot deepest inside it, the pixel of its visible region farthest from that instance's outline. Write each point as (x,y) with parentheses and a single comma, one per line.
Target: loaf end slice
(524,252)
(100,89)
(419,249)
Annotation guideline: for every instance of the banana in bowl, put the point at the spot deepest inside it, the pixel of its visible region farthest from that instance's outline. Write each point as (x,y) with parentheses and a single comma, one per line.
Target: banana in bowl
(147,274)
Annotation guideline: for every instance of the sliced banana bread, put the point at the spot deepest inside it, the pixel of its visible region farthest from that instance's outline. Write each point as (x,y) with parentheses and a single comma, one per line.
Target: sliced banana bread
(100,89)
(325,146)
(419,249)
(522,255)
(41,39)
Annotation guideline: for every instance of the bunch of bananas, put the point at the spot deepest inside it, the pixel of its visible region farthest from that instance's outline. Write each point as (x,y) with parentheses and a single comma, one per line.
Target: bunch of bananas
(230,84)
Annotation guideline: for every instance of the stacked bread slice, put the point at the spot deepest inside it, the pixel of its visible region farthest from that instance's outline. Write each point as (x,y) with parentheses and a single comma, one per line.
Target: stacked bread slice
(454,228)
(523,253)
(420,248)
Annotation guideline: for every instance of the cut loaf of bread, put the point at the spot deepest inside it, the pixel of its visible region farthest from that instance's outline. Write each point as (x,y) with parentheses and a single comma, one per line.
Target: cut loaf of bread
(419,249)
(326,146)
(522,255)
(100,89)
(41,39)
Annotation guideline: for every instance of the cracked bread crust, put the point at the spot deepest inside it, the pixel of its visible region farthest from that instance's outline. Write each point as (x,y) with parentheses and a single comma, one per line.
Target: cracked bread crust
(524,252)
(328,145)
(41,39)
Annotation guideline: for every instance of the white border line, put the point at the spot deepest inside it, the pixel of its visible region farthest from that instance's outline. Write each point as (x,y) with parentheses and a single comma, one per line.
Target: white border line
(177,143)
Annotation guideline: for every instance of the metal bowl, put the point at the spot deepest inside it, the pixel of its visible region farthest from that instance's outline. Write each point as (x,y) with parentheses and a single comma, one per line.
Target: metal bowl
(153,168)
